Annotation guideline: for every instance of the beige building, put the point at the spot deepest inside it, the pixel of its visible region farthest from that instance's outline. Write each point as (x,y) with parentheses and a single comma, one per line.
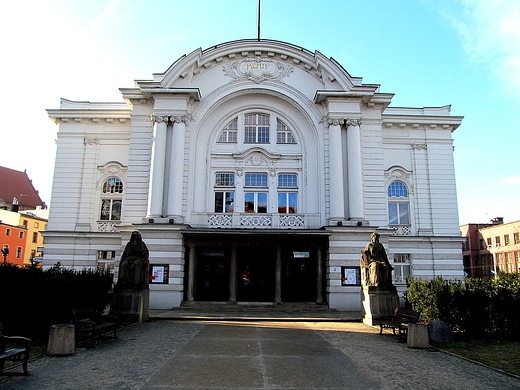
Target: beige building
(490,248)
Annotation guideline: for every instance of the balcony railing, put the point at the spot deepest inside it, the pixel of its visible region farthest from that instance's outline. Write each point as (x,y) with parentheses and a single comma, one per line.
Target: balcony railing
(256,221)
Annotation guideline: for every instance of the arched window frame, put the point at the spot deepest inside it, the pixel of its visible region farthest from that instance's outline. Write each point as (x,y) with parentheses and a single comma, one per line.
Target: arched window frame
(111,191)
(399,210)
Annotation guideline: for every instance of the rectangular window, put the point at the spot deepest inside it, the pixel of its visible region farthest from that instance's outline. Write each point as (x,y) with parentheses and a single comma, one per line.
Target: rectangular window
(506,239)
(36,225)
(7,232)
(255,202)
(488,241)
(287,180)
(509,263)
(224,180)
(516,238)
(256,180)
(497,240)
(287,202)
(402,267)
(111,210)
(24,222)
(398,213)
(482,244)
(19,252)
(256,130)
(20,235)
(517,261)
(500,261)
(224,201)
(35,237)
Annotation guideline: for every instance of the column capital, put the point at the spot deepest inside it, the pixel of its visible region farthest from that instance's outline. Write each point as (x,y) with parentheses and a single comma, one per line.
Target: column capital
(353,122)
(335,121)
(179,119)
(159,118)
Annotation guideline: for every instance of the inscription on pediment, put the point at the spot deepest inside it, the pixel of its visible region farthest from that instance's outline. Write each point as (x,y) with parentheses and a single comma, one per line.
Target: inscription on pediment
(257,69)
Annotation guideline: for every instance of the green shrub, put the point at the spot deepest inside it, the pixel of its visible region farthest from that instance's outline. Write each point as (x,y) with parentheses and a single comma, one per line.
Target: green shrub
(474,306)
(32,300)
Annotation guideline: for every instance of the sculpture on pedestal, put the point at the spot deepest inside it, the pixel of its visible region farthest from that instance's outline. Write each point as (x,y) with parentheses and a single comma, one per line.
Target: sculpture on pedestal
(376,270)
(133,267)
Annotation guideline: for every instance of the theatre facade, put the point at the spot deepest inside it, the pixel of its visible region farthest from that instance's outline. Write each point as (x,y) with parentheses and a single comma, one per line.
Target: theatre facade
(255,172)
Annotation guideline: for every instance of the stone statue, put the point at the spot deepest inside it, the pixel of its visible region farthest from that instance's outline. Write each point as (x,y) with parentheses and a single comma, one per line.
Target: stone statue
(376,270)
(133,267)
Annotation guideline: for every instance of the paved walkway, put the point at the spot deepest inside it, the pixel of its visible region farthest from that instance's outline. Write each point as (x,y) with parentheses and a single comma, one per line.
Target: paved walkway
(249,354)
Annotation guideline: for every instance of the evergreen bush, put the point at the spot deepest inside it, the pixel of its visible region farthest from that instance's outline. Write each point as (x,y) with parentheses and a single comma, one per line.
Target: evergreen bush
(32,299)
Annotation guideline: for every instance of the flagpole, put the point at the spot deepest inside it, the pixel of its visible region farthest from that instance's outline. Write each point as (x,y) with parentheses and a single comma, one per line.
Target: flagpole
(258,19)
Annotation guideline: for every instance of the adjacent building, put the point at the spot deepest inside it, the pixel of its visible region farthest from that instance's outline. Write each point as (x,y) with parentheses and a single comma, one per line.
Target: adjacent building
(490,248)
(255,171)
(17,191)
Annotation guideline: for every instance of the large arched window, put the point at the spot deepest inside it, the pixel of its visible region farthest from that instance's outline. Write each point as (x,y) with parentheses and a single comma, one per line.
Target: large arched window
(398,204)
(111,199)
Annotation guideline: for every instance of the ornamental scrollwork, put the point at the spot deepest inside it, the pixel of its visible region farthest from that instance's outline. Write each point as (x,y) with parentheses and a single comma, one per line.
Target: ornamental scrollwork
(419,147)
(257,69)
(335,121)
(353,122)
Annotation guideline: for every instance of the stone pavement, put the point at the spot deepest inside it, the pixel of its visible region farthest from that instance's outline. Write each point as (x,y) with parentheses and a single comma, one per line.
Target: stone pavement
(249,352)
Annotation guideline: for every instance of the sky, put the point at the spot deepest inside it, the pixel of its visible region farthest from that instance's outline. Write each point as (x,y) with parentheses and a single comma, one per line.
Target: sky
(429,53)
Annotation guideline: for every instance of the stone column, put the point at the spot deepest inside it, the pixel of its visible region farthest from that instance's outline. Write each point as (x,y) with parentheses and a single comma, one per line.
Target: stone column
(278,275)
(233,275)
(191,275)
(175,187)
(319,276)
(337,200)
(354,176)
(156,190)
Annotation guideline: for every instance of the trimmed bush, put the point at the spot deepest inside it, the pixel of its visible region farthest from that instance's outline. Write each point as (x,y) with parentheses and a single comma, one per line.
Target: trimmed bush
(32,300)
(474,306)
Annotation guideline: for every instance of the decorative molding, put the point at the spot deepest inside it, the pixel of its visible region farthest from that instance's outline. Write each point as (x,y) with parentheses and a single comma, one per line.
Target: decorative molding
(335,121)
(257,69)
(159,118)
(256,220)
(292,221)
(419,147)
(179,119)
(91,141)
(220,220)
(353,122)
(256,161)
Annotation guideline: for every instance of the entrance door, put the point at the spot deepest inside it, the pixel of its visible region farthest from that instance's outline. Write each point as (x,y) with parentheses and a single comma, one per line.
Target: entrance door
(256,274)
(298,277)
(212,283)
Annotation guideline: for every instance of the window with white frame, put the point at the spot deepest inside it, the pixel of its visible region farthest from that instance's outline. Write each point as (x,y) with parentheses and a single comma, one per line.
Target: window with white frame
(398,204)
(229,134)
(256,130)
(111,199)
(7,232)
(255,194)
(224,192)
(19,252)
(105,261)
(287,193)
(283,134)
(402,267)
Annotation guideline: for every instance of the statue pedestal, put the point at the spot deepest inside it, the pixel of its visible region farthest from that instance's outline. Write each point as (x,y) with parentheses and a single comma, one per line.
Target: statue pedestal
(131,305)
(377,303)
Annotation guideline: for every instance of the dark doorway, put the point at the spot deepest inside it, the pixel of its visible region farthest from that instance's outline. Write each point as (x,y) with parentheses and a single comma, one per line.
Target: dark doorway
(298,277)
(255,274)
(212,283)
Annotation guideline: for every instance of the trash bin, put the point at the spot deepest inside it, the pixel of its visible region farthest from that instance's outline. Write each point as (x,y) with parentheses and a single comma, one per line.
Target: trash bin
(418,336)
(62,340)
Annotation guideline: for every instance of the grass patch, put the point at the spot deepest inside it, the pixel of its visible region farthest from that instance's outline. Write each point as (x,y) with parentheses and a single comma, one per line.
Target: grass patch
(503,354)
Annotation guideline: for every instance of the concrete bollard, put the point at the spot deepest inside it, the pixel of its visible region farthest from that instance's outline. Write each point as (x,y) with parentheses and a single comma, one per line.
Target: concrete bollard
(62,340)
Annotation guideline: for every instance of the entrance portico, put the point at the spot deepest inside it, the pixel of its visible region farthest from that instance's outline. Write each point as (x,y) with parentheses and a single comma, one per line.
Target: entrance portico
(252,266)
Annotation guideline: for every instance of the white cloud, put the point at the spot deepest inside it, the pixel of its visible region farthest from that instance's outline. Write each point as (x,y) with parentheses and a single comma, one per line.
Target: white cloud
(116,12)
(512,180)
(490,32)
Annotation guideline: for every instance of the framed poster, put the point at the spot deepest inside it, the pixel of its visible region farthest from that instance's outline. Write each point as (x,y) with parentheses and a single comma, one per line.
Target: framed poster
(351,276)
(159,274)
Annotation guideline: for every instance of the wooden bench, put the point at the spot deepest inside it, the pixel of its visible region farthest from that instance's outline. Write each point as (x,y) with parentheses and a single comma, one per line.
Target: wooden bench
(10,350)
(90,325)
(399,321)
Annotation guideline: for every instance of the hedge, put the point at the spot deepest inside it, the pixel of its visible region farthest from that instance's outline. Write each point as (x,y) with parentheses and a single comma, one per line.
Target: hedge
(32,299)
(474,306)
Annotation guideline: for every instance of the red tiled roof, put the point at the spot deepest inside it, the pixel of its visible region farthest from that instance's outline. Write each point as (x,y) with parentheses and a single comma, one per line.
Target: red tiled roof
(16,184)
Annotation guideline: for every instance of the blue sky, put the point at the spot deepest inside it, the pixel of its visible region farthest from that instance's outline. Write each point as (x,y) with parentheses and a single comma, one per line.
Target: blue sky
(427,52)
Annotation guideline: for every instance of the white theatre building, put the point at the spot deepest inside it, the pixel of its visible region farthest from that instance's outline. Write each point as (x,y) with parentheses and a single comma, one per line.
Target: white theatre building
(255,171)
